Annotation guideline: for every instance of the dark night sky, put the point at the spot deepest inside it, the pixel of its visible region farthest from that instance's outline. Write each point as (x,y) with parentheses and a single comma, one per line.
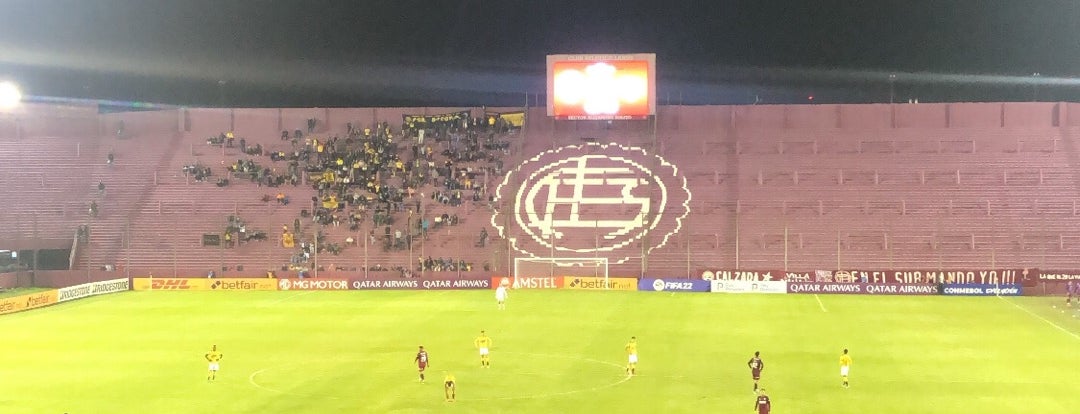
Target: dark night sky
(471,52)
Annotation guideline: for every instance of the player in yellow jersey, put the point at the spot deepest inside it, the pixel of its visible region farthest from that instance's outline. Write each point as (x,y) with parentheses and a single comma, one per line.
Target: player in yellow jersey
(213,357)
(483,343)
(631,361)
(450,386)
(845,366)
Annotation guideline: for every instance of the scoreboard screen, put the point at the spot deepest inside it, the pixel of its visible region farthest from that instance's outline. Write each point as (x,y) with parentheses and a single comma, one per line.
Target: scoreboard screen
(601,87)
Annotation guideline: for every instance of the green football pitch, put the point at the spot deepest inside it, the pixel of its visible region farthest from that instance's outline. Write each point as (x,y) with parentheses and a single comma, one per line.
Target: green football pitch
(554,352)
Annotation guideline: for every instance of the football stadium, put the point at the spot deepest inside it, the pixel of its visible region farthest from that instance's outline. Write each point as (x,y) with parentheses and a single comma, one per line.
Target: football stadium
(595,249)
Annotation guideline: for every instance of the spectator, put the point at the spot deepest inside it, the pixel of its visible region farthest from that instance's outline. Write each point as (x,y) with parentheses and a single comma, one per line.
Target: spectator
(101,188)
(311,125)
(93,208)
(483,237)
(109,159)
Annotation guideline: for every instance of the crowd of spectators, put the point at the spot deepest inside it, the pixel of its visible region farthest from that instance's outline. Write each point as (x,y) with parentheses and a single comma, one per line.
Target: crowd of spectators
(376,178)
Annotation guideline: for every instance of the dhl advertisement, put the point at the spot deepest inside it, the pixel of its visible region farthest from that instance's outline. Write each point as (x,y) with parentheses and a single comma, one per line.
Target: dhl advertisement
(190,284)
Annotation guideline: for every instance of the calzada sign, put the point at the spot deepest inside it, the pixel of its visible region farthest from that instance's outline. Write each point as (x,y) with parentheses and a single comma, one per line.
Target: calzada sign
(592,200)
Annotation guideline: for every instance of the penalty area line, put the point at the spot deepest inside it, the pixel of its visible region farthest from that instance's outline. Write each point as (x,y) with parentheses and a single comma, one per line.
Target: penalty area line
(1070,333)
(821,305)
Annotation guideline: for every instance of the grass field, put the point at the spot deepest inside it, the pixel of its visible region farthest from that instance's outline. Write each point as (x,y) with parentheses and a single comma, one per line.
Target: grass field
(554,352)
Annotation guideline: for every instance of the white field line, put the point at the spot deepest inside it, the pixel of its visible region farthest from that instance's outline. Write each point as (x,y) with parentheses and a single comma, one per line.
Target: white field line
(1068,332)
(822,305)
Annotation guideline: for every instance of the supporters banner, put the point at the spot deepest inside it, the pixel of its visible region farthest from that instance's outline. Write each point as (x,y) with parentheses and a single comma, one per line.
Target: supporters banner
(26,302)
(313,284)
(600,283)
(746,286)
(422,284)
(168,283)
(982,289)
(428,120)
(86,290)
(905,276)
(673,285)
(542,282)
(514,119)
(1059,275)
(918,276)
(850,288)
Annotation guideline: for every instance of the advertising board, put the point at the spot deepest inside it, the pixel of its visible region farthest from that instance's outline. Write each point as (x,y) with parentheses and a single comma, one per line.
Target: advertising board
(525,282)
(86,290)
(982,289)
(748,286)
(673,285)
(313,284)
(1059,275)
(599,283)
(422,284)
(29,301)
(168,283)
(188,284)
(863,288)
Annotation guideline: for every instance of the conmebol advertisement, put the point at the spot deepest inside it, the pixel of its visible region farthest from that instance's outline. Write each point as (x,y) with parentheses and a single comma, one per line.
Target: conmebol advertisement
(982,289)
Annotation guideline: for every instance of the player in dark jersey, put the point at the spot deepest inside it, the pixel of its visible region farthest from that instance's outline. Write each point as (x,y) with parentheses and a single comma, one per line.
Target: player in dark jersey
(756,365)
(762,405)
(1072,289)
(422,361)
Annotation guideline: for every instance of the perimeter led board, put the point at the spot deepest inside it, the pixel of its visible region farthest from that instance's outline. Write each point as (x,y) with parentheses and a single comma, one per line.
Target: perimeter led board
(601,87)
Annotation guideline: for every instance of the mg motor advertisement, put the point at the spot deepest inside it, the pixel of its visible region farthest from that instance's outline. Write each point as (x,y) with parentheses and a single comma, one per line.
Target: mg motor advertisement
(313,284)
(673,285)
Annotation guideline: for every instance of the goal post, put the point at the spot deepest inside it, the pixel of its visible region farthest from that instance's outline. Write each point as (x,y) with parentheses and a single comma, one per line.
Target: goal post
(549,267)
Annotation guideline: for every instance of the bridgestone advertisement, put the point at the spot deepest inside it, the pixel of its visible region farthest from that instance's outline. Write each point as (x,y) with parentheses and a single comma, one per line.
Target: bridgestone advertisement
(86,290)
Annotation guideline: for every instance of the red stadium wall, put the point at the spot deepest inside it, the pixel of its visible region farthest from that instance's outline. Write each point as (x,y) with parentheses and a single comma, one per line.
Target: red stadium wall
(800,166)
(873,116)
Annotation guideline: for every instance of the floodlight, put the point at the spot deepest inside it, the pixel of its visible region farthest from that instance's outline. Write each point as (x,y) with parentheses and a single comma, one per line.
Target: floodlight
(10,96)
